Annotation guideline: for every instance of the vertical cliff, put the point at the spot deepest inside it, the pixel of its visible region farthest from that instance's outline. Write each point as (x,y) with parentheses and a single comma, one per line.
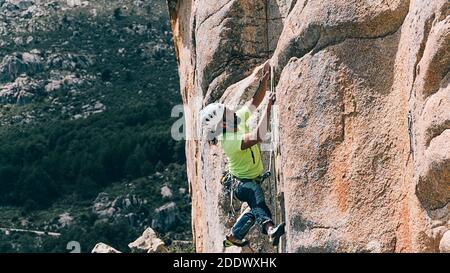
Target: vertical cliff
(363,122)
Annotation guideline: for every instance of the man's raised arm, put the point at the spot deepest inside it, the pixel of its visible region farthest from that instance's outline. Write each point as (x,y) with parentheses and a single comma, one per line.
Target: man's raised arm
(262,88)
(256,136)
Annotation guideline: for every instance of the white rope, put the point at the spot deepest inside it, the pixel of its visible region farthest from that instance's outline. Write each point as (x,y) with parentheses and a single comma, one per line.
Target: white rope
(271,122)
(272,151)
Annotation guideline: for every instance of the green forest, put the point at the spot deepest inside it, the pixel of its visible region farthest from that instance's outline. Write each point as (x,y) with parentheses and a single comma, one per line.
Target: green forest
(38,166)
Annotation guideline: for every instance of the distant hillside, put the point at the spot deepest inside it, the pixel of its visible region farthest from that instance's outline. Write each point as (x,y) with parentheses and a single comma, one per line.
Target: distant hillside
(86,89)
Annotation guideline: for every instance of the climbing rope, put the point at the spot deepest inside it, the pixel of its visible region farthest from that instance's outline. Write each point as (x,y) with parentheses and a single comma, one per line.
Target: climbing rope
(273,181)
(271,121)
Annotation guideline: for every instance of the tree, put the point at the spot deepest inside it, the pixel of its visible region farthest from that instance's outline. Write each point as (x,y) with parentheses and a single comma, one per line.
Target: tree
(36,186)
(147,168)
(135,162)
(8,178)
(132,166)
(118,14)
(86,187)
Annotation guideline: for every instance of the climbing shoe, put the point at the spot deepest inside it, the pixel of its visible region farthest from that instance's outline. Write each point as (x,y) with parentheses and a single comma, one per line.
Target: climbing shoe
(275,233)
(234,242)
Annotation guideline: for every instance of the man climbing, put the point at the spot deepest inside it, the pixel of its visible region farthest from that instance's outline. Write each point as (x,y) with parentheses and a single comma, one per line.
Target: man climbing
(245,173)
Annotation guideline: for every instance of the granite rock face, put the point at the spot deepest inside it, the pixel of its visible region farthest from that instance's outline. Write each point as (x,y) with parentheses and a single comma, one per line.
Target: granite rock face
(362,125)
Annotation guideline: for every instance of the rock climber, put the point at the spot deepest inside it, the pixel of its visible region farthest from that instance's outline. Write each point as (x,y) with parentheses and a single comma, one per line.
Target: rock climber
(245,168)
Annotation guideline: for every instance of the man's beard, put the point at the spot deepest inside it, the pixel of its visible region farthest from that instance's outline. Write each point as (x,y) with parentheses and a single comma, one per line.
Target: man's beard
(236,121)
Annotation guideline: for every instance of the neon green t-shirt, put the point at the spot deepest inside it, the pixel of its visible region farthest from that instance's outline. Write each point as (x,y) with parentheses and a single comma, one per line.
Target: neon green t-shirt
(246,163)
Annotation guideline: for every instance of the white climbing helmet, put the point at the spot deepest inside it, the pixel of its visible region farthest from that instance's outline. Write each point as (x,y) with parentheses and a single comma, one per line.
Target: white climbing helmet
(212,115)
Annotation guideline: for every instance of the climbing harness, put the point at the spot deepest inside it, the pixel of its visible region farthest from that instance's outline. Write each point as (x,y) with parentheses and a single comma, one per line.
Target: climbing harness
(231,182)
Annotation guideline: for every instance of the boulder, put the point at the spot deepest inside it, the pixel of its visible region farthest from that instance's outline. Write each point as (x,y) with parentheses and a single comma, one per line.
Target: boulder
(166,217)
(444,245)
(19,4)
(69,61)
(74,3)
(53,86)
(166,192)
(65,220)
(12,66)
(103,206)
(148,243)
(153,49)
(104,248)
(22,91)
(18,41)
(101,202)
